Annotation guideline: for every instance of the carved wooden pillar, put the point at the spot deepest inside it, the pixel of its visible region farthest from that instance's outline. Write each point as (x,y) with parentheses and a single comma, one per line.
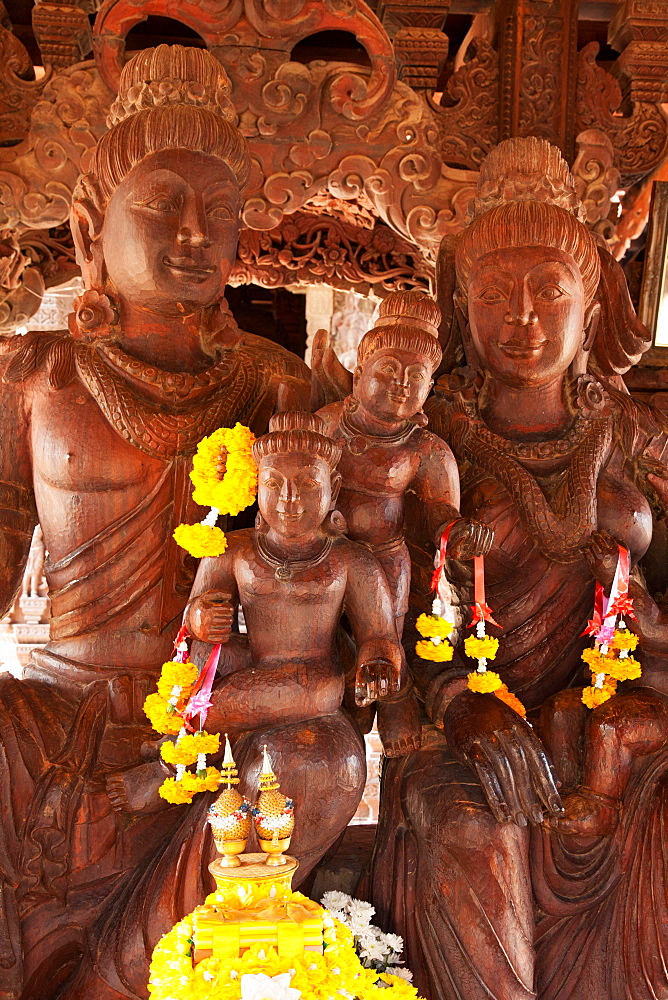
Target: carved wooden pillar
(420,44)
(63,32)
(639,31)
(538,64)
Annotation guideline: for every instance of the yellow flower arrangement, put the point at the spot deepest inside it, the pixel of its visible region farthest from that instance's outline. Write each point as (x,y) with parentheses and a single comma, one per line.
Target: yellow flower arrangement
(624,639)
(224,475)
(175,674)
(188,748)
(193,784)
(441,652)
(200,540)
(165,709)
(338,971)
(155,708)
(626,669)
(433,627)
(485,647)
(484,682)
(173,791)
(595,696)
(609,664)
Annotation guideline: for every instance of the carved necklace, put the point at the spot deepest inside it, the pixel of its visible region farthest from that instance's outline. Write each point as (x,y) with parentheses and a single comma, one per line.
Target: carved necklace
(357,441)
(285,569)
(560,529)
(172,425)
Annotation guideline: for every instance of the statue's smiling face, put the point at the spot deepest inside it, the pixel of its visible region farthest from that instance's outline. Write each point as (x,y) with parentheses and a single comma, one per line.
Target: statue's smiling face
(170,231)
(294,493)
(393,384)
(526,310)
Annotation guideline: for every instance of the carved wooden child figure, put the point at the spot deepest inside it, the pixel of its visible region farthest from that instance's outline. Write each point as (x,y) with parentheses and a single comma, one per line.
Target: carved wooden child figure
(385,452)
(292,575)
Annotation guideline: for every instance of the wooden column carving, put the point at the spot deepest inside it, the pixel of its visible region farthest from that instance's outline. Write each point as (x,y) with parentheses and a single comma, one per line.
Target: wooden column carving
(538,59)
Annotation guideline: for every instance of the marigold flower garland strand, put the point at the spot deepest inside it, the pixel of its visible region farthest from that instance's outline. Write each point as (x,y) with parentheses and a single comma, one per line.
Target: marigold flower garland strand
(178,699)
(480,647)
(609,659)
(224,475)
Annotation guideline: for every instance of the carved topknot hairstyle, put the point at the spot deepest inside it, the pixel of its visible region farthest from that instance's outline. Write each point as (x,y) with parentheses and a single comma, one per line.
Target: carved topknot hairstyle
(527,169)
(526,197)
(418,308)
(169,97)
(407,321)
(297,431)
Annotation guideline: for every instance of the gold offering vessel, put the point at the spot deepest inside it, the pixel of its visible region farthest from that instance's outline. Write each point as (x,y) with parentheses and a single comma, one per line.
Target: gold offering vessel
(274,816)
(229,816)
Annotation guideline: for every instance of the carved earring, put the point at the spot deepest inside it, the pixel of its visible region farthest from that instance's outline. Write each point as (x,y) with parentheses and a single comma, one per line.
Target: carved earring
(93,318)
(335,523)
(261,525)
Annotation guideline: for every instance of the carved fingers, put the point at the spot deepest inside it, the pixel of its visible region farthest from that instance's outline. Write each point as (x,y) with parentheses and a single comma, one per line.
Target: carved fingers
(469,538)
(211,616)
(601,554)
(507,756)
(516,777)
(376,679)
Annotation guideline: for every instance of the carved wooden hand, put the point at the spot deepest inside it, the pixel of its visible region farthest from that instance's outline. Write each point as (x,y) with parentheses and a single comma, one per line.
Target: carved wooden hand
(210,616)
(509,759)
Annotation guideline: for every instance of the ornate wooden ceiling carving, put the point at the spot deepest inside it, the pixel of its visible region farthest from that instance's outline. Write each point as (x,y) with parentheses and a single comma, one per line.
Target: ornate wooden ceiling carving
(363,144)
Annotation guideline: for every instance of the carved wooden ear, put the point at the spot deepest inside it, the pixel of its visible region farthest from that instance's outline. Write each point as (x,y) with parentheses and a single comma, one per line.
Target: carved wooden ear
(592,317)
(461,302)
(336,480)
(86,221)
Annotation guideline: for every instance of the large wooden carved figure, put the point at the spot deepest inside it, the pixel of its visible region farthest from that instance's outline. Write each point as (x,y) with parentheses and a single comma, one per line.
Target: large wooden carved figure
(99,425)
(503,884)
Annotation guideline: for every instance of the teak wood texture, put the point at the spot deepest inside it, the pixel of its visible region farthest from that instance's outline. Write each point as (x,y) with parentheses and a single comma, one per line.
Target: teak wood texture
(518,859)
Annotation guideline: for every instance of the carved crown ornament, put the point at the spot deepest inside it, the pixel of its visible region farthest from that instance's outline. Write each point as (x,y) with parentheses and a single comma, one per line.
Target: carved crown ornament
(353,143)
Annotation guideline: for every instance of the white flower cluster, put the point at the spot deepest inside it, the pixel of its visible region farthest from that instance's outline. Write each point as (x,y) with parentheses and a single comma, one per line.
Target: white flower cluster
(376,950)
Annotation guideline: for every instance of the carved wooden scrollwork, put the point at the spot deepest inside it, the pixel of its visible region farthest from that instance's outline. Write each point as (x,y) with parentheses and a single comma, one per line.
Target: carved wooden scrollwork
(468,116)
(639,139)
(19,91)
(267,31)
(311,249)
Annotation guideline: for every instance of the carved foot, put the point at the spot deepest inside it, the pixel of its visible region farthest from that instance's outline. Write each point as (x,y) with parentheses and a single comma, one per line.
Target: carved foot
(399,726)
(587,814)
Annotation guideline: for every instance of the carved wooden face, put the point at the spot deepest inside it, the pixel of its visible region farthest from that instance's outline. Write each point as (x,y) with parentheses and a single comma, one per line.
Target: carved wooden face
(526,310)
(294,493)
(170,232)
(393,384)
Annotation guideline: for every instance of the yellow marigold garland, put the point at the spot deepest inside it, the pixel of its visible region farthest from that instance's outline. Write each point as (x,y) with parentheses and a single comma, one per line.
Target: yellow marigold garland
(224,475)
(338,971)
(610,663)
(164,710)
(435,631)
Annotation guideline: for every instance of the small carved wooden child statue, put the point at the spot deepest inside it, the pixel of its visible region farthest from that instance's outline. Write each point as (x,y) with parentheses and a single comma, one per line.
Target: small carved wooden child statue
(385,452)
(292,575)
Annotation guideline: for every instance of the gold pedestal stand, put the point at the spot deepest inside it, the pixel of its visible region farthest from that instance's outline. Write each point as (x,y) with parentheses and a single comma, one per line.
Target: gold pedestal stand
(253,877)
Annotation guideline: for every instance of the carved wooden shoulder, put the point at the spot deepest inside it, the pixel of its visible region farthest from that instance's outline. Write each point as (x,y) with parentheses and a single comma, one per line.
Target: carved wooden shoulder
(53,353)
(277,359)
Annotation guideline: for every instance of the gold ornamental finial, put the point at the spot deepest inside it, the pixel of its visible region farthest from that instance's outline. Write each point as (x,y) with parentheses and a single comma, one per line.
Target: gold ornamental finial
(228,769)
(274,815)
(268,780)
